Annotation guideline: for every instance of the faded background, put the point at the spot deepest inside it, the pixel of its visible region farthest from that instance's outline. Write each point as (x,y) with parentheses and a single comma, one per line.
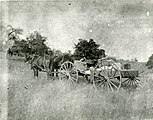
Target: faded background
(122,27)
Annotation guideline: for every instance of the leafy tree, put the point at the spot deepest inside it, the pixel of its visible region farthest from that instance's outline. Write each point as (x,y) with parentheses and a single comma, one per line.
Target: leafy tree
(13,36)
(88,49)
(37,44)
(150,62)
(20,47)
(13,33)
(100,53)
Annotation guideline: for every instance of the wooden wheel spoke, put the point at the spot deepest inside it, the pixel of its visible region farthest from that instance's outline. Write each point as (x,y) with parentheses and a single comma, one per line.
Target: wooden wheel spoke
(130,83)
(105,75)
(125,81)
(114,73)
(111,72)
(111,87)
(67,65)
(64,73)
(135,84)
(70,66)
(73,70)
(137,79)
(113,84)
(107,86)
(111,69)
(108,72)
(64,67)
(74,78)
(104,71)
(100,84)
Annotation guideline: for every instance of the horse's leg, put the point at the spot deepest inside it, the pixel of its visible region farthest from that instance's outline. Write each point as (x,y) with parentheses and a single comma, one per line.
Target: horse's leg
(35,72)
(52,72)
(56,72)
(86,78)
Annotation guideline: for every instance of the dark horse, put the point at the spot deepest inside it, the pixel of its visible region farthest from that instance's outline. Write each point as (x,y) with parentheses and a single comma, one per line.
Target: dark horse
(39,63)
(47,63)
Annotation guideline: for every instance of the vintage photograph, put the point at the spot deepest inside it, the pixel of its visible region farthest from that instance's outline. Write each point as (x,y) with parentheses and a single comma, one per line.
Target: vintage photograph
(76,59)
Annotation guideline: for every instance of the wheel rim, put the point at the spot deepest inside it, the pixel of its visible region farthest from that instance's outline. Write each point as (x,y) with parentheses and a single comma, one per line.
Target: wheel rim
(68,71)
(108,78)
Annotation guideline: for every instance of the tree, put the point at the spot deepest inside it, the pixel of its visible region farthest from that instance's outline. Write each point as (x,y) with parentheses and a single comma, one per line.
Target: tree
(37,44)
(150,62)
(20,48)
(88,49)
(17,45)
(13,33)
(100,53)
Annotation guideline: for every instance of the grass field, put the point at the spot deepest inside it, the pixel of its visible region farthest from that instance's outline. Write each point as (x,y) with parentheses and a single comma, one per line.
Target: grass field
(40,99)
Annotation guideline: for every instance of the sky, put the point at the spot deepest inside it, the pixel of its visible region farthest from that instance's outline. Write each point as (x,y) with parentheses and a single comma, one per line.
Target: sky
(124,28)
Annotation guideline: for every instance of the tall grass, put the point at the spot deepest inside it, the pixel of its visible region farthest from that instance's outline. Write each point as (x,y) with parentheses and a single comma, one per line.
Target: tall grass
(31,99)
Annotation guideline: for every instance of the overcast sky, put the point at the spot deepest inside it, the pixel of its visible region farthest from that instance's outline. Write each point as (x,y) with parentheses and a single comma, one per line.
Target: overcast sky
(124,28)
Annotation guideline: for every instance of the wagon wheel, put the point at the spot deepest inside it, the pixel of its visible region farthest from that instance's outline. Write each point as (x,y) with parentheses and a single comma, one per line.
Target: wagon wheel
(131,83)
(107,76)
(68,71)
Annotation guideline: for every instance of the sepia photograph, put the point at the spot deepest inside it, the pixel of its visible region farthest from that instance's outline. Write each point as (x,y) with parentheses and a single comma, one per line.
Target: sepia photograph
(76,59)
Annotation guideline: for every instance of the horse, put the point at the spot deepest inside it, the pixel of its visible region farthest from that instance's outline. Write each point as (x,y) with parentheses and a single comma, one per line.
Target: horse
(47,63)
(39,63)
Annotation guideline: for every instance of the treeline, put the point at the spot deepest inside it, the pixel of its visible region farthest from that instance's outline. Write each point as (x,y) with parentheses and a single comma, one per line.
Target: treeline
(35,43)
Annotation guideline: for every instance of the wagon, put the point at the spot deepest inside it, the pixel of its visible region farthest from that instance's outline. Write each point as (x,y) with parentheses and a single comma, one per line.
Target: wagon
(104,73)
